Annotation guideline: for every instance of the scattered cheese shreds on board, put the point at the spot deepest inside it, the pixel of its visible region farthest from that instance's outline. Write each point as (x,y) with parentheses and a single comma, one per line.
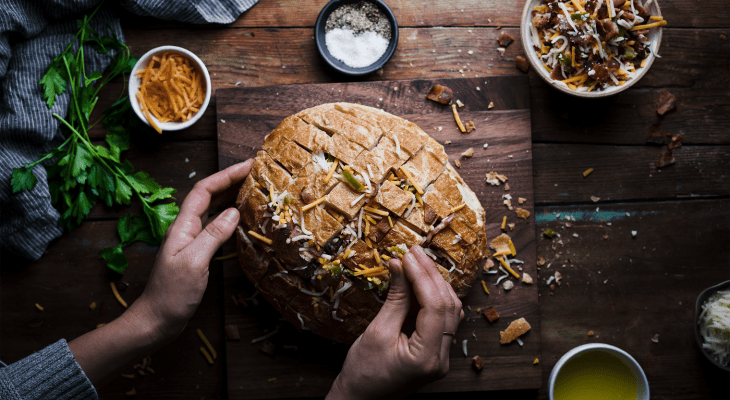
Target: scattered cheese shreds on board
(207,355)
(587,172)
(116,294)
(535,362)
(39,307)
(457,119)
(202,337)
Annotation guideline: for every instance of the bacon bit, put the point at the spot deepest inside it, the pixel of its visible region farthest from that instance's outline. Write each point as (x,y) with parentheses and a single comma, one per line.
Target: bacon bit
(226,257)
(522,213)
(665,159)
(131,393)
(587,172)
(666,102)
(457,119)
(92,305)
(116,294)
(504,39)
(491,314)
(468,152)
(38,306)
(313,204)
(128,376)
(522,64)
(207,355)
(512,248)
(484,286)
(440,94)
(206,342)
(504,222)
(470,126)
(457,208)
(477,363)
(676,141)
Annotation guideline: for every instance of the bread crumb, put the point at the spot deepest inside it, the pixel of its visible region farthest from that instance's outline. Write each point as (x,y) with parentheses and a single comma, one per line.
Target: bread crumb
(468,152)
(491,105)
(590,333)
(447,142)
(458,163)
(655,339)
(595,199)
(526,278)
(459,103)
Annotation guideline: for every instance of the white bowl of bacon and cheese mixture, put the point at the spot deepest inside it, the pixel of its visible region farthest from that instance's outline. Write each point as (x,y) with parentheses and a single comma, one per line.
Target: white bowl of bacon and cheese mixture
(591,48)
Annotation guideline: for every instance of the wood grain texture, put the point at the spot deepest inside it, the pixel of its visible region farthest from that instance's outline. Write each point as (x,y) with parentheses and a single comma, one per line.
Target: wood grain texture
(627,289)
(260,57)
(508,367)
(425,13)
(69,277)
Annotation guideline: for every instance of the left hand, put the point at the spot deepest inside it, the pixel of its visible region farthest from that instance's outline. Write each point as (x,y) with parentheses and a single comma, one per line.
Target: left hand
(180,274)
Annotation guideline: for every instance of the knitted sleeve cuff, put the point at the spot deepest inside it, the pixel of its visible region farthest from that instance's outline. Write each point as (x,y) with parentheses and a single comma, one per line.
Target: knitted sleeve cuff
(51,373)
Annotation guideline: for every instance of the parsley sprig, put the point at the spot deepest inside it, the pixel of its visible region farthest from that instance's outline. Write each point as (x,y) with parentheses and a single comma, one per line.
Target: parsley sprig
(80,173)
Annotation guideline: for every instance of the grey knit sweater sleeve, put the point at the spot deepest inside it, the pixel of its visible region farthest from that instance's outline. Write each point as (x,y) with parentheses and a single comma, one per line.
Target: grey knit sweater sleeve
(51,373)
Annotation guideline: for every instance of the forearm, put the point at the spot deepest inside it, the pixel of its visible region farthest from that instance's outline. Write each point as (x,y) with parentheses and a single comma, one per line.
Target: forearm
(106,349)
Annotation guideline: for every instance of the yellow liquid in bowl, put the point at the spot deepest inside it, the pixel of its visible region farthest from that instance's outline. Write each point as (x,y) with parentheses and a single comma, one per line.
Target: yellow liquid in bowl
(595,375)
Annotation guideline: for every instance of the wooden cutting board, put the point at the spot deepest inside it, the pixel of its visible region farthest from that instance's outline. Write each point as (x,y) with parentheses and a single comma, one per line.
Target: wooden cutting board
(305,365)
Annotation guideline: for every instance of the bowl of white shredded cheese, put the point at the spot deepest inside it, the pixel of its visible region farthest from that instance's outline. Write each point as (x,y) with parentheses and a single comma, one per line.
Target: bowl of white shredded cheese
(356,37)
(712,324)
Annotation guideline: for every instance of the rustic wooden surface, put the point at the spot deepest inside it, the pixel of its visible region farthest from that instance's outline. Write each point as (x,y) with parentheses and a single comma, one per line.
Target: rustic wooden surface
(680,214)
(245,116)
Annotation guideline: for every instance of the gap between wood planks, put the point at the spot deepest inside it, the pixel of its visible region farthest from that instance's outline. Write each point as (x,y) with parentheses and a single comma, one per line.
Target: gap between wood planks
(632,201)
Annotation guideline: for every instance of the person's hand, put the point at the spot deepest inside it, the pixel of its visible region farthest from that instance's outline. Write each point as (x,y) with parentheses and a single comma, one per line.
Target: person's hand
(384,362)
(180,274)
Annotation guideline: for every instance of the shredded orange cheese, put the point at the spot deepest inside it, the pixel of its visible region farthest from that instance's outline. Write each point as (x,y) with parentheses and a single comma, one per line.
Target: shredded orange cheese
(390,221)
(411,180)
(457,208)
(226,257)
(207,355)
(507,267)
(207,343)
(649,26)
(457,119)
(171,89)
(38,306)
(332,170)
(368,270)
(376,211)
(313,204)
(261,238)
(484,286)
(504,222)
(512,248)
(116,294)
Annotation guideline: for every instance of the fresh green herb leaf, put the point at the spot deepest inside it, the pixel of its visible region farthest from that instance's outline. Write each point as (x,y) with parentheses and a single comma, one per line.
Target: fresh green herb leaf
(81,173)
(629,53)
(115,259)
(23,179)
(549,233)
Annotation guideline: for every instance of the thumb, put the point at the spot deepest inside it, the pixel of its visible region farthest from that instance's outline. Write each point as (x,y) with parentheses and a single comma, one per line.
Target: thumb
(389,320)
(213,236)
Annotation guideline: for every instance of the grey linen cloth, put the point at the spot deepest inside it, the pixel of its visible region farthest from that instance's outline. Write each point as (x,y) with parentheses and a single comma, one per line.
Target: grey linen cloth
(32,33)
(51,373)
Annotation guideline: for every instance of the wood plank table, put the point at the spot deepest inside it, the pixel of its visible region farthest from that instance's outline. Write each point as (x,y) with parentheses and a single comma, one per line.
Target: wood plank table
(626,288)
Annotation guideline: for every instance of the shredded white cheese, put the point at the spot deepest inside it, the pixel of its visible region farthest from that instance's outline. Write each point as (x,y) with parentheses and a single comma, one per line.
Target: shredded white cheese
(356,200)
(397,145)
(370,171)
(715,326)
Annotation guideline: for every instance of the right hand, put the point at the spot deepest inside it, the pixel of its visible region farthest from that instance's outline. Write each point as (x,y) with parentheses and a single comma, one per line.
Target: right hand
(384,362)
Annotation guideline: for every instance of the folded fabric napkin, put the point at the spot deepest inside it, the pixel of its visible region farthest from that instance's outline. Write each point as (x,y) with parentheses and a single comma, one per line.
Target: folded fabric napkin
(32,33)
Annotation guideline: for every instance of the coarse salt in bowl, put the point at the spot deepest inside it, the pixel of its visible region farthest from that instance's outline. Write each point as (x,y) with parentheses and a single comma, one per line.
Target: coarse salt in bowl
(654,40)
(321,39)
(134,83)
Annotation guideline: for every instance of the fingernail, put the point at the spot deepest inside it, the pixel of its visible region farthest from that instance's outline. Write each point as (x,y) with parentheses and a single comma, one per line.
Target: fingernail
(231,215)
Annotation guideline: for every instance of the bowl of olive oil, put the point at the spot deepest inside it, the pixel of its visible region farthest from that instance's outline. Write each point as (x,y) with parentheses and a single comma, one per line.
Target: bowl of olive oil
(598,371)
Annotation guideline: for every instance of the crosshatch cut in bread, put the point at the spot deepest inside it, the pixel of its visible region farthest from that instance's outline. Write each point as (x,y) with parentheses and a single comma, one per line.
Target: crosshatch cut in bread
(338,190)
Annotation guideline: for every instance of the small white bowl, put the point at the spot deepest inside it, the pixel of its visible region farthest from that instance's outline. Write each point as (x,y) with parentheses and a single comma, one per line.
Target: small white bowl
(134,82)
(642,385)
(654,40)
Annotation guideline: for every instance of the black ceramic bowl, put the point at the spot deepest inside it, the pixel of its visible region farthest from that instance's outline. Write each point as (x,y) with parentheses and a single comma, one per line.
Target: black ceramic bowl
(319,37)
(698,310)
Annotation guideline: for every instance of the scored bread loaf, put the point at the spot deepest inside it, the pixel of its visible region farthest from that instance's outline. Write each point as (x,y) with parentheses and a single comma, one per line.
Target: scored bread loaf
(337,191)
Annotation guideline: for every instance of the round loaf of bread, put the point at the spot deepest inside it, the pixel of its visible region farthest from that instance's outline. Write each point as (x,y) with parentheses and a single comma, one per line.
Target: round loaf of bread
(337,191)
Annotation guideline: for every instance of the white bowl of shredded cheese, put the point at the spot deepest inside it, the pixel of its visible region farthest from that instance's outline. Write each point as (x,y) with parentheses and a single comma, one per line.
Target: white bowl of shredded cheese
(712,324)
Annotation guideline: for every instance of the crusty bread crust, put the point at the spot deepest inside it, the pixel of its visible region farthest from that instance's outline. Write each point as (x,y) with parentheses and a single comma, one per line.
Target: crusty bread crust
(317,249)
